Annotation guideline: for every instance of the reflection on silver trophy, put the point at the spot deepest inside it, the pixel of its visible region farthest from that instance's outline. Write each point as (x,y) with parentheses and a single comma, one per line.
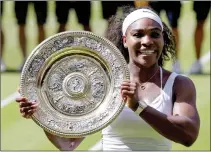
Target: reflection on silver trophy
(76,78)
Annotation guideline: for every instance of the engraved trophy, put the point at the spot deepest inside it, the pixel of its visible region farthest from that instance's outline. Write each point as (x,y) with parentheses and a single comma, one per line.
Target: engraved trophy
(75,76)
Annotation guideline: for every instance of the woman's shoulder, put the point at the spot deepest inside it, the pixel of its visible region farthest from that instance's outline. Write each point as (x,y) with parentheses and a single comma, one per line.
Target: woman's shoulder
(183,84)
(183,79)
(180,79)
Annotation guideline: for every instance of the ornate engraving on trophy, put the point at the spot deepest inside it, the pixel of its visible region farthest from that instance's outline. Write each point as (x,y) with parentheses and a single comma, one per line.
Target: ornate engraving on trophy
(51,123)
(73,74)
(92,71)
(55,83)
(75,85)
(35,66)
(97,88)
(46,52)
(32,92)
(63,42)
(69,126)
(81,83)
(30,80)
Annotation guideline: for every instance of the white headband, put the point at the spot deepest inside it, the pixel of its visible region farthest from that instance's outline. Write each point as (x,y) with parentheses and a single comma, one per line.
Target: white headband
(138,14)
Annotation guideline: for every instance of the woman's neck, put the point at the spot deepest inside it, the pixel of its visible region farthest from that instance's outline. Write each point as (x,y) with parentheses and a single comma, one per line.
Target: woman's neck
(142,74)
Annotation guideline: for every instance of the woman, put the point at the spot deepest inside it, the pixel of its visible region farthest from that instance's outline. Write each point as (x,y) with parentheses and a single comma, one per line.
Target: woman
(161,105)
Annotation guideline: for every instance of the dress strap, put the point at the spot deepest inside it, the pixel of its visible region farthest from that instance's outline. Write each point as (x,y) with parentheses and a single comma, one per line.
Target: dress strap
(161,78)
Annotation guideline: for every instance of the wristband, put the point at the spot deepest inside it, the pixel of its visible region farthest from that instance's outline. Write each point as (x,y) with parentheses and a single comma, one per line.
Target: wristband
(142,105)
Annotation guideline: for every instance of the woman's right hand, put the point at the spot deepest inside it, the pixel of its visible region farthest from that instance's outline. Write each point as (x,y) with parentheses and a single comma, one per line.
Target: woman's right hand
(26,108)
(129,93)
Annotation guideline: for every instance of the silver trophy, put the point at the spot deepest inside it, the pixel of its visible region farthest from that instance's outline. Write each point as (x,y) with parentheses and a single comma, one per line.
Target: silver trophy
(75,77)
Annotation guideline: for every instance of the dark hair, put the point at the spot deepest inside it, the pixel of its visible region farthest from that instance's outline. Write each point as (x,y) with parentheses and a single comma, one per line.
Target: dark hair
(114,34)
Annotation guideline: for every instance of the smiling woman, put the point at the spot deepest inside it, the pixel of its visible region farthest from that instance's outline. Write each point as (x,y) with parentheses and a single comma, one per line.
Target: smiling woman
(167,109)
(162,111)
(151,40)
(114,34)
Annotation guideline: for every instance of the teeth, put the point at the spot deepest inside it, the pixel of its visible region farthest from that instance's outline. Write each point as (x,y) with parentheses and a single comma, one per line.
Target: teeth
(147,52)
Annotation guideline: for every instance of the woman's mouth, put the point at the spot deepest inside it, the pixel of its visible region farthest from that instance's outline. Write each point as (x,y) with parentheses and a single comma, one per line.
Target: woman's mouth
(146,52)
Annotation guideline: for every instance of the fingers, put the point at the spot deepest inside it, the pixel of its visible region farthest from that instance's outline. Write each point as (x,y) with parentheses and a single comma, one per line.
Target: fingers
(28,111)
(21,99)
(26,104)
(128,83)
(26,108)
(128,93)
(128,88)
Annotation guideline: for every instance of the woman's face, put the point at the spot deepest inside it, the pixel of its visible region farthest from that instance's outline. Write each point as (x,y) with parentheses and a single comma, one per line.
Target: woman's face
(144,40)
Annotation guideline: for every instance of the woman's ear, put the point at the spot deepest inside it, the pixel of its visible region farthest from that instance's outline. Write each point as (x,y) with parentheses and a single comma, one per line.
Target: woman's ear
(124,41)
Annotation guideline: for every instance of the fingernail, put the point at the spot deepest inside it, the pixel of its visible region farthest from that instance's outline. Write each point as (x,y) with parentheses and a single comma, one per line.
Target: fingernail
(34,102)
(34,105)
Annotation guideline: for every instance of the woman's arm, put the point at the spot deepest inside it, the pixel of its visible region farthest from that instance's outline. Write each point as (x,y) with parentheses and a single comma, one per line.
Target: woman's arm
(28,108)
(183,125)
(64,144)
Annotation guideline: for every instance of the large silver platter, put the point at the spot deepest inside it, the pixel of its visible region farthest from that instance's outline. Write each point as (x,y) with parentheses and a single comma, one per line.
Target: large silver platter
(75,77)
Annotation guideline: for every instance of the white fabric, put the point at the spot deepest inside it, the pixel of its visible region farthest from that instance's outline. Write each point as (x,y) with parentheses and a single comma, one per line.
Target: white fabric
(138,14)
(130,132)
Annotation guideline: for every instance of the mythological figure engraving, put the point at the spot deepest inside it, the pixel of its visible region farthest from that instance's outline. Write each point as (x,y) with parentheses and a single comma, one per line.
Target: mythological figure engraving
(76,85)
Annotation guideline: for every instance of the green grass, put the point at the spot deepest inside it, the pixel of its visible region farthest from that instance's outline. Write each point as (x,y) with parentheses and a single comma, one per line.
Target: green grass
(21,134)
(9,84)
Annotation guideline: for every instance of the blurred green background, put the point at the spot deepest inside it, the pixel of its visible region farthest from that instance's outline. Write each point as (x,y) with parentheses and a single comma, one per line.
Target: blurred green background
(21,134)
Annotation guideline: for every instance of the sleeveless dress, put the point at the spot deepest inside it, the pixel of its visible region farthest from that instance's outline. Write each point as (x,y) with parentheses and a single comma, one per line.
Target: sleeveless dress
(129,132)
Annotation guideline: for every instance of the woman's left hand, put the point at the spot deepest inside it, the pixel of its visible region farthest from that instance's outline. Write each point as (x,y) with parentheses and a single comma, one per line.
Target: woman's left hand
(129,93)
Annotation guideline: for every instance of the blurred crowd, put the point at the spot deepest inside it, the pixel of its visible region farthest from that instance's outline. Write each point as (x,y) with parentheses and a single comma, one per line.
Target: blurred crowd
(109,8)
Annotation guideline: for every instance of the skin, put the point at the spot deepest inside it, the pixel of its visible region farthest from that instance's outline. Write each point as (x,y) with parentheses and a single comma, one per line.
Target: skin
(182,126)
(142,66)
(198,37)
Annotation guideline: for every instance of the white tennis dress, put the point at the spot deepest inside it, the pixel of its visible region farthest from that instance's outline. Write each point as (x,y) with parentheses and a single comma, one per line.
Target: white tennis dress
(129,132)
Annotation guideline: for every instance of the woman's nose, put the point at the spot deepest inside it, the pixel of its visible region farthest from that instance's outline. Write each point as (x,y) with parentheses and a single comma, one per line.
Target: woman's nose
(146,40)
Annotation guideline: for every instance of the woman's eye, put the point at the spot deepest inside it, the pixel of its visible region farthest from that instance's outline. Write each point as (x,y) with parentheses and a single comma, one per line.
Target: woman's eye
(138,34)
(155,35)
